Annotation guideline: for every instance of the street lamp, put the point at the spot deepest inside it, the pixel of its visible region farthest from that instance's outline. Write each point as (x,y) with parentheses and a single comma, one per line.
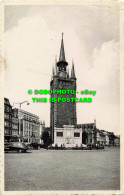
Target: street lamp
(20,103)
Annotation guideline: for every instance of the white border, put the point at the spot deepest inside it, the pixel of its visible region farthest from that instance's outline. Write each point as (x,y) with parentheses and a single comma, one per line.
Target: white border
(2,69)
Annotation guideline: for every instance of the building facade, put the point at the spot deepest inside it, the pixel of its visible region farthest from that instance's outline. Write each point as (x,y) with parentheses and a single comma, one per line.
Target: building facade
(21,125)
(29,130)
(68,136)
(15,122)
(7,117)
(63,117)
(88,132)
(92,135)
(102,137)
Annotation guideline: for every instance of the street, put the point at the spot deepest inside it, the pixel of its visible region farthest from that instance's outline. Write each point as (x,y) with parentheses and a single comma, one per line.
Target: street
(63,170)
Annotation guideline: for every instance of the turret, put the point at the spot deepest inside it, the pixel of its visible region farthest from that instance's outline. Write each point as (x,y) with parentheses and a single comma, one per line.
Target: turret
(72,70)
(56,70)
(67,73)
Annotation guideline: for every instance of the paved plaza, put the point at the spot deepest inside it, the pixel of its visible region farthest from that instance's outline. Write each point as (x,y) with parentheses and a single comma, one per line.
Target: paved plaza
(63,170)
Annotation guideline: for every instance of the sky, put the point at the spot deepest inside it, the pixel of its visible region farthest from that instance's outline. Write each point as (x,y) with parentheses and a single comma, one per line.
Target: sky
(91,39)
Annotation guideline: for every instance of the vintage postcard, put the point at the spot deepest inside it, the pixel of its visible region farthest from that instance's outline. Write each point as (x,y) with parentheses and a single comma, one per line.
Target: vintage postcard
(61,101)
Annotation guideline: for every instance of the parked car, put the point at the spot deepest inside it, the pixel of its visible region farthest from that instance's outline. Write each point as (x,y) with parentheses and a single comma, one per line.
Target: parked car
(100,147)
(94,146)
(36,145)
(28,145)
(84,145)
(15,146)
(6,146)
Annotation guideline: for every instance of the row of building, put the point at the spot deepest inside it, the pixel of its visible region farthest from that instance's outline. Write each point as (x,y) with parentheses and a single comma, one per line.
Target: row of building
(22,124)
(92,135)
(28,128)
(79,134)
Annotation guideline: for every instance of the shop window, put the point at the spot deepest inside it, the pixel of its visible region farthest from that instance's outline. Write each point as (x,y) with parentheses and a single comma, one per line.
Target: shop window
(60,134)
(76,134)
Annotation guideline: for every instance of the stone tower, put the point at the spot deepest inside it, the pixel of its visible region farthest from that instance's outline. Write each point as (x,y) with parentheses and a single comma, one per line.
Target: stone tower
(62,113)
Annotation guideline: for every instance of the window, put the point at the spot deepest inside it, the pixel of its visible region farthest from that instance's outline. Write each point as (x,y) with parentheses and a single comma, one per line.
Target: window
(60,134)
(6,116)
(6,109)
(6,124)
(76,134)
(6,131)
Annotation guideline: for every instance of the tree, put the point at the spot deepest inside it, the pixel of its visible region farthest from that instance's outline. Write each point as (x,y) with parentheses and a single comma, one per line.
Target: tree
(46,138)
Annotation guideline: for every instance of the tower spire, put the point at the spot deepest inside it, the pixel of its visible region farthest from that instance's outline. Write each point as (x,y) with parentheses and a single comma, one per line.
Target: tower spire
(62,61)
(62,51)
(72,70)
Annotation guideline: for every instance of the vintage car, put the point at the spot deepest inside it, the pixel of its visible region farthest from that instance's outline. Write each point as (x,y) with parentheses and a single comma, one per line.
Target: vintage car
(17,146)
(36,146)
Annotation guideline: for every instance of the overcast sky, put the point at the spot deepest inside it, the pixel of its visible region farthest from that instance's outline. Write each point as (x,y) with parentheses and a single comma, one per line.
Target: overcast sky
(91,38)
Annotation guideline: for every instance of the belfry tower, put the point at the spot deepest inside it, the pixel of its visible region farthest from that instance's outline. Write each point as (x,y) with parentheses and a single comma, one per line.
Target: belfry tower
(62,113)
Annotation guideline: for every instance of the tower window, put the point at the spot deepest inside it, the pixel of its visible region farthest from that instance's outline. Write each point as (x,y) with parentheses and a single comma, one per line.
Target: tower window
(60,134)
(76,134)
